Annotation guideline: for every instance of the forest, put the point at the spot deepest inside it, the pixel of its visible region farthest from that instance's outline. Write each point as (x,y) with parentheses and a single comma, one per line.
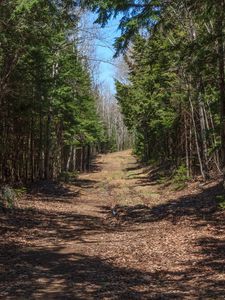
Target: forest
(51,116)
(112,192)
(172,99)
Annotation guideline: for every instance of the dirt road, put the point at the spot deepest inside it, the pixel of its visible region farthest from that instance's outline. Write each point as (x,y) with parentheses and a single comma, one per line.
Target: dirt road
(114,234)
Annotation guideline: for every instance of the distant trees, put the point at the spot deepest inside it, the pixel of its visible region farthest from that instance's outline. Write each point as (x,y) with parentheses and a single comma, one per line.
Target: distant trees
(117,137)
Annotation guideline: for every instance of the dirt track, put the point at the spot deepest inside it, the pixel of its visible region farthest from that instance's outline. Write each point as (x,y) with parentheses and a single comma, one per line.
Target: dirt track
(115,234)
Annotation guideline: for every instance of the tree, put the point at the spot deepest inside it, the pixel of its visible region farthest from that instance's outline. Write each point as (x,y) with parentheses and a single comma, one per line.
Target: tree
(180,71)
(49,122)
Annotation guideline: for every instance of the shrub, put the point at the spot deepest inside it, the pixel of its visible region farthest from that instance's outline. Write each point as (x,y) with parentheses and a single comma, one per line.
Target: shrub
(68,176)
(221,201)
(180,177)
(9,196)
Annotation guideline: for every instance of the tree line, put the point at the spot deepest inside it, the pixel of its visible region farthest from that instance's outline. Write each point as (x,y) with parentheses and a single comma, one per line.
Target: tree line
(117,136)
(48,109)
(174,99)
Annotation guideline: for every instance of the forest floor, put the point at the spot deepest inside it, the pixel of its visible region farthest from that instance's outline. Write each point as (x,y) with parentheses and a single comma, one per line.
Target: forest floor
(117,233)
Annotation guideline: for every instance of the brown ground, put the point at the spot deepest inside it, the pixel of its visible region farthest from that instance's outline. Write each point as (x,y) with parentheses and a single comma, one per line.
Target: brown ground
(68,242)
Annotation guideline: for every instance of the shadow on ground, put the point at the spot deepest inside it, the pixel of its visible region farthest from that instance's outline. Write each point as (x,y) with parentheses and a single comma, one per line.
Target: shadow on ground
(43,225)
(200,209)
(85,183)
(132,167)
(50,189)
(96,166)
(52,274)
(50,271)
(150,176)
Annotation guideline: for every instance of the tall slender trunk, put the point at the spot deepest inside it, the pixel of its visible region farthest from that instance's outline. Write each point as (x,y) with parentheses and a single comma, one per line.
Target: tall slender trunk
(69,159)
(220,42)
(32,150)
(81,159)
(74,165)
(196,139)
(202,126)
(210,122)
(47,148)
(40,146)
(186,146)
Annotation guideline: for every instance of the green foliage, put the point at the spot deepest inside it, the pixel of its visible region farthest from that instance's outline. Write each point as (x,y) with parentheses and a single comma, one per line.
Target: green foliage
(146,101)
(68,177)
(180,177)
(221,201)
(9,196)
(135,15)
(170,100)
(24,5)
(47,95)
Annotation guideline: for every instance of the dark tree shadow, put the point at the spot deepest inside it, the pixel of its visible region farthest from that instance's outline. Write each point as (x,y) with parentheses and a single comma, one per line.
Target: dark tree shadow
(85,183)
(53,274)
(50,189)
(204,277)
(49,274)
(201,208)
(214,251)
(53,225)
(96,167)
(55,189)
(133,167)
(152,175)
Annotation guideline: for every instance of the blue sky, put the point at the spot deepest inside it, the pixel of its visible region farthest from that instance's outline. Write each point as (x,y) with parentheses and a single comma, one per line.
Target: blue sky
(105,52)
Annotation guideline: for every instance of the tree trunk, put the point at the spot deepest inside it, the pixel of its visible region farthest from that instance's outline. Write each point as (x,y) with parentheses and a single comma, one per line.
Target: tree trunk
(196,140)
(219,32)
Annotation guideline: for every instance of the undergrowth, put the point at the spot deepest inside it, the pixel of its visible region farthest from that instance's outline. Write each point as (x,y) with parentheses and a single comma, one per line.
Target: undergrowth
(221,201)
(9,196)
(180,178)
(68,177)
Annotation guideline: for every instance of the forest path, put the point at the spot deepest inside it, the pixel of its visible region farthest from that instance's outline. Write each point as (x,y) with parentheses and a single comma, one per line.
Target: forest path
(116,234)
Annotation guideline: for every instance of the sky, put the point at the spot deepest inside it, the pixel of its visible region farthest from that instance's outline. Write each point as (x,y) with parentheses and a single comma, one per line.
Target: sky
(104,53)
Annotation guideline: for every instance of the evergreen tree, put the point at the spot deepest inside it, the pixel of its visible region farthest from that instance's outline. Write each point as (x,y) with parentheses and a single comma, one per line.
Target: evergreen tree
(48,116)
